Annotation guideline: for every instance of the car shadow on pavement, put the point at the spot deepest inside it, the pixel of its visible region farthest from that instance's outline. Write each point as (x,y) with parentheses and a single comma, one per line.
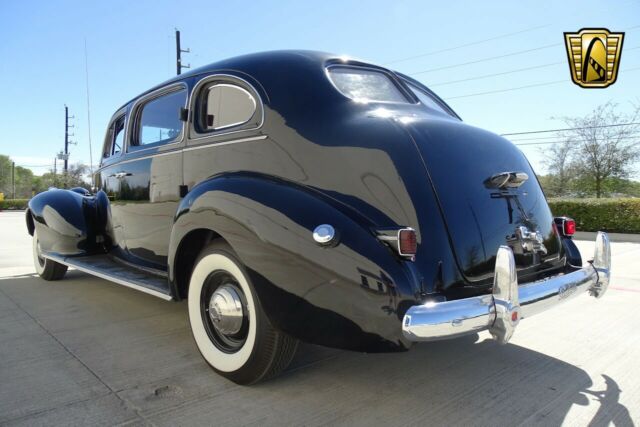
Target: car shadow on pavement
(462,381)
(139,351)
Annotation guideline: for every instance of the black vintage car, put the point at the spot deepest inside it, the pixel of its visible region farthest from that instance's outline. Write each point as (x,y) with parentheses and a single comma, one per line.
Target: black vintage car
(300,195)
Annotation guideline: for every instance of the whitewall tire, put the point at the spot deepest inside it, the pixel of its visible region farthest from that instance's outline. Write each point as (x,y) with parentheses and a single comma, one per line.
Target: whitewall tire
(46,268)
(228,323)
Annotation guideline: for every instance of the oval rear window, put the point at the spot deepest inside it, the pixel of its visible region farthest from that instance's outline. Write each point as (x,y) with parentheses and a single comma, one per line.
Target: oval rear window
(365,85)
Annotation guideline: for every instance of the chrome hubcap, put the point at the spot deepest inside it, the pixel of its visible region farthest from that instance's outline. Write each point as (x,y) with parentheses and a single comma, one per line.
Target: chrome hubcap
(225,310)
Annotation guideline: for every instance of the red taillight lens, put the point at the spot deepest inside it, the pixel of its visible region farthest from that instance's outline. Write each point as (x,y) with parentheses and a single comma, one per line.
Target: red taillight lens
(569,227)
(407,243)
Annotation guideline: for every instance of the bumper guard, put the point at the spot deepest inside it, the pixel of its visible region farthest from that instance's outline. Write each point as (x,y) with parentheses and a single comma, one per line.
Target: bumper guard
(500,311)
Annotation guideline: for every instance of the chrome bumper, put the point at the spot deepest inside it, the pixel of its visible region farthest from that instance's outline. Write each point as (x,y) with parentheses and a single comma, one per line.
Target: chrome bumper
(500,311)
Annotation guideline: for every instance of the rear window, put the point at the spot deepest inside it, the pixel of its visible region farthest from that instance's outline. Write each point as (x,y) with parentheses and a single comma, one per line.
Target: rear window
(365,85)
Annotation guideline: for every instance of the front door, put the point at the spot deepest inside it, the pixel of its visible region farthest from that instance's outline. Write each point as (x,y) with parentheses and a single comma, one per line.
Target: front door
(150,175)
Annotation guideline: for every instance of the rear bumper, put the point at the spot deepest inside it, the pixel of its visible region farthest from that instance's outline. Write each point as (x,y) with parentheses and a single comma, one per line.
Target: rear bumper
(500,311)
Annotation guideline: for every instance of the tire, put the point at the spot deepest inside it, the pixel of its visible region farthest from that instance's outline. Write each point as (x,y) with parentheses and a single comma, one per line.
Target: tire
(46,268)
(229,325)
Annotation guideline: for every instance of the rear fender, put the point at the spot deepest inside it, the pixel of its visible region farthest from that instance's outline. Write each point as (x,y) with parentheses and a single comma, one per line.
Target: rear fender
(348,295)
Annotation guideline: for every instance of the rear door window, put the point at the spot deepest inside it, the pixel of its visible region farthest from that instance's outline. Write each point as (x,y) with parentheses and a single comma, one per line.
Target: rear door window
(225,106)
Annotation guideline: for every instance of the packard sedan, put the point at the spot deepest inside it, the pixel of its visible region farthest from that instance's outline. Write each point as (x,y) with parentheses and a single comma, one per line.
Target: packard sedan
(300,195)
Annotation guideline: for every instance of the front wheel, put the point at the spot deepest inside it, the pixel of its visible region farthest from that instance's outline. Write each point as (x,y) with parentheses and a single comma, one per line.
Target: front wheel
(46,268)
(228,323)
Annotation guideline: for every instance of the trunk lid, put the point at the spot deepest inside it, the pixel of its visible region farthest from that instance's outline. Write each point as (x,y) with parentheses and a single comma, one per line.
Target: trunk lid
(479,214)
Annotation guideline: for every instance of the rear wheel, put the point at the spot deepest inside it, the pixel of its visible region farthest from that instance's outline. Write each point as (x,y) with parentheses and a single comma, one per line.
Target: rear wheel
(228,323)
(46,268)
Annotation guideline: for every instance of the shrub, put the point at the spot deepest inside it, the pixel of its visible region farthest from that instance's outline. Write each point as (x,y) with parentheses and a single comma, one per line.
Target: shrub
(8,204)
(613,215)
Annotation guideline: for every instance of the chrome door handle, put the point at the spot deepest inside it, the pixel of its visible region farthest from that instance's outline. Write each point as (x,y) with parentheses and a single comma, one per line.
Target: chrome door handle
(120,175)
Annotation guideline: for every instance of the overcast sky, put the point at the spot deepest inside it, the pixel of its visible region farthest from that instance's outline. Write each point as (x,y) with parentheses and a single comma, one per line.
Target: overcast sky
(131,48)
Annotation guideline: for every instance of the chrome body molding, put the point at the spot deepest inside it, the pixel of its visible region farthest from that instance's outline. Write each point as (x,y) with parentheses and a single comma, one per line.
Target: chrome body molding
(501,311)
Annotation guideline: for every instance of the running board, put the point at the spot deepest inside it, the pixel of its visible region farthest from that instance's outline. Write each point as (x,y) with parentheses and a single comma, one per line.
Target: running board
(104,267)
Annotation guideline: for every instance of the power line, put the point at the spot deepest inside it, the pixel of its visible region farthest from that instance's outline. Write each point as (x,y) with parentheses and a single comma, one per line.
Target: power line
(491,58)
(567,129)
(507,89)
(552,137)
(465,45)
(509,72)
(497,74)
(518,52)
(563,141)
(520,87)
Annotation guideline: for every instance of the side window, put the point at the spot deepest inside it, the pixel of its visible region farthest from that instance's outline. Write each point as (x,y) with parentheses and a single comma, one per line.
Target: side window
(115,137)
(118,136)
(158,122)
(224,105)
(426,99)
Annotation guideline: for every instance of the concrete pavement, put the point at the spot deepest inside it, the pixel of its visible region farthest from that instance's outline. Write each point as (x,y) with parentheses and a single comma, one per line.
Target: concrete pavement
(85,351)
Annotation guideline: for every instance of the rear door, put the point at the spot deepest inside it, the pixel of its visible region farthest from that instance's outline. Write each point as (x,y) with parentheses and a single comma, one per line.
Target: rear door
(150,175)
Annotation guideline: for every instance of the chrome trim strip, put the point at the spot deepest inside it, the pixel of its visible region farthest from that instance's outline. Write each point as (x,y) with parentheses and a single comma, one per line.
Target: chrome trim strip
(217,144)
(69,262)
(500,311)
(179,151)
(148,156)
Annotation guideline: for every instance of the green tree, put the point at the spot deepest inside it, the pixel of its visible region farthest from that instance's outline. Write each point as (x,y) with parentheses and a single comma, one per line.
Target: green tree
(600,147)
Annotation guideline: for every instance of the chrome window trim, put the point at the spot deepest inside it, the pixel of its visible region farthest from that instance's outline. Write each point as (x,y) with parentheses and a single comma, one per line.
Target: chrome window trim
(409,97)
(139,103)
(195,135)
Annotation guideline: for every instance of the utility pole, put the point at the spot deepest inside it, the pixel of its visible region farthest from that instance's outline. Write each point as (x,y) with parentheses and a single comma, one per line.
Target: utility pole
(55,164)
(179,53)
(13,180)
(65,157)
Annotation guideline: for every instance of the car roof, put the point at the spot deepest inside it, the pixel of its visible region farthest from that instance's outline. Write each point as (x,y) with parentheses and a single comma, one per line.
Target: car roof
(249,64)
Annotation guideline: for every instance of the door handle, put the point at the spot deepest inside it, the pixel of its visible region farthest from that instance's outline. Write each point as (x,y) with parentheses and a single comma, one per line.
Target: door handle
(120,175)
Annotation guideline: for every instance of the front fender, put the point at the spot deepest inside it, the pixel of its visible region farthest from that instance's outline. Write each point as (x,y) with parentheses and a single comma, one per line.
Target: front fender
(351,295)
(67,222)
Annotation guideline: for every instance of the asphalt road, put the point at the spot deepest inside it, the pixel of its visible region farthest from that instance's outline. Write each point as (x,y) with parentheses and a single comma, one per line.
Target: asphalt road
(85,351)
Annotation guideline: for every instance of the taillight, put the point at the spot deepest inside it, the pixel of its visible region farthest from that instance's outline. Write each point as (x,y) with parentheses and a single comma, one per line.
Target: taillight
(407,242)
(569,227)
(565,225)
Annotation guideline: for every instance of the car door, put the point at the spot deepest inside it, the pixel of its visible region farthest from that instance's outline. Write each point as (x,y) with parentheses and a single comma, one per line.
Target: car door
(150,175)
(105,177)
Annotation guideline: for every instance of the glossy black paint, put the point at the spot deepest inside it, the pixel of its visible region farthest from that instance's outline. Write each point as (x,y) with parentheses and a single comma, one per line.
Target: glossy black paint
(311,156)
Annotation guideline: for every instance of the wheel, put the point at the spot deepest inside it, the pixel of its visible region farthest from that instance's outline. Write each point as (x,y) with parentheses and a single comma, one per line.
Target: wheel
(46,268)
(228,323)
